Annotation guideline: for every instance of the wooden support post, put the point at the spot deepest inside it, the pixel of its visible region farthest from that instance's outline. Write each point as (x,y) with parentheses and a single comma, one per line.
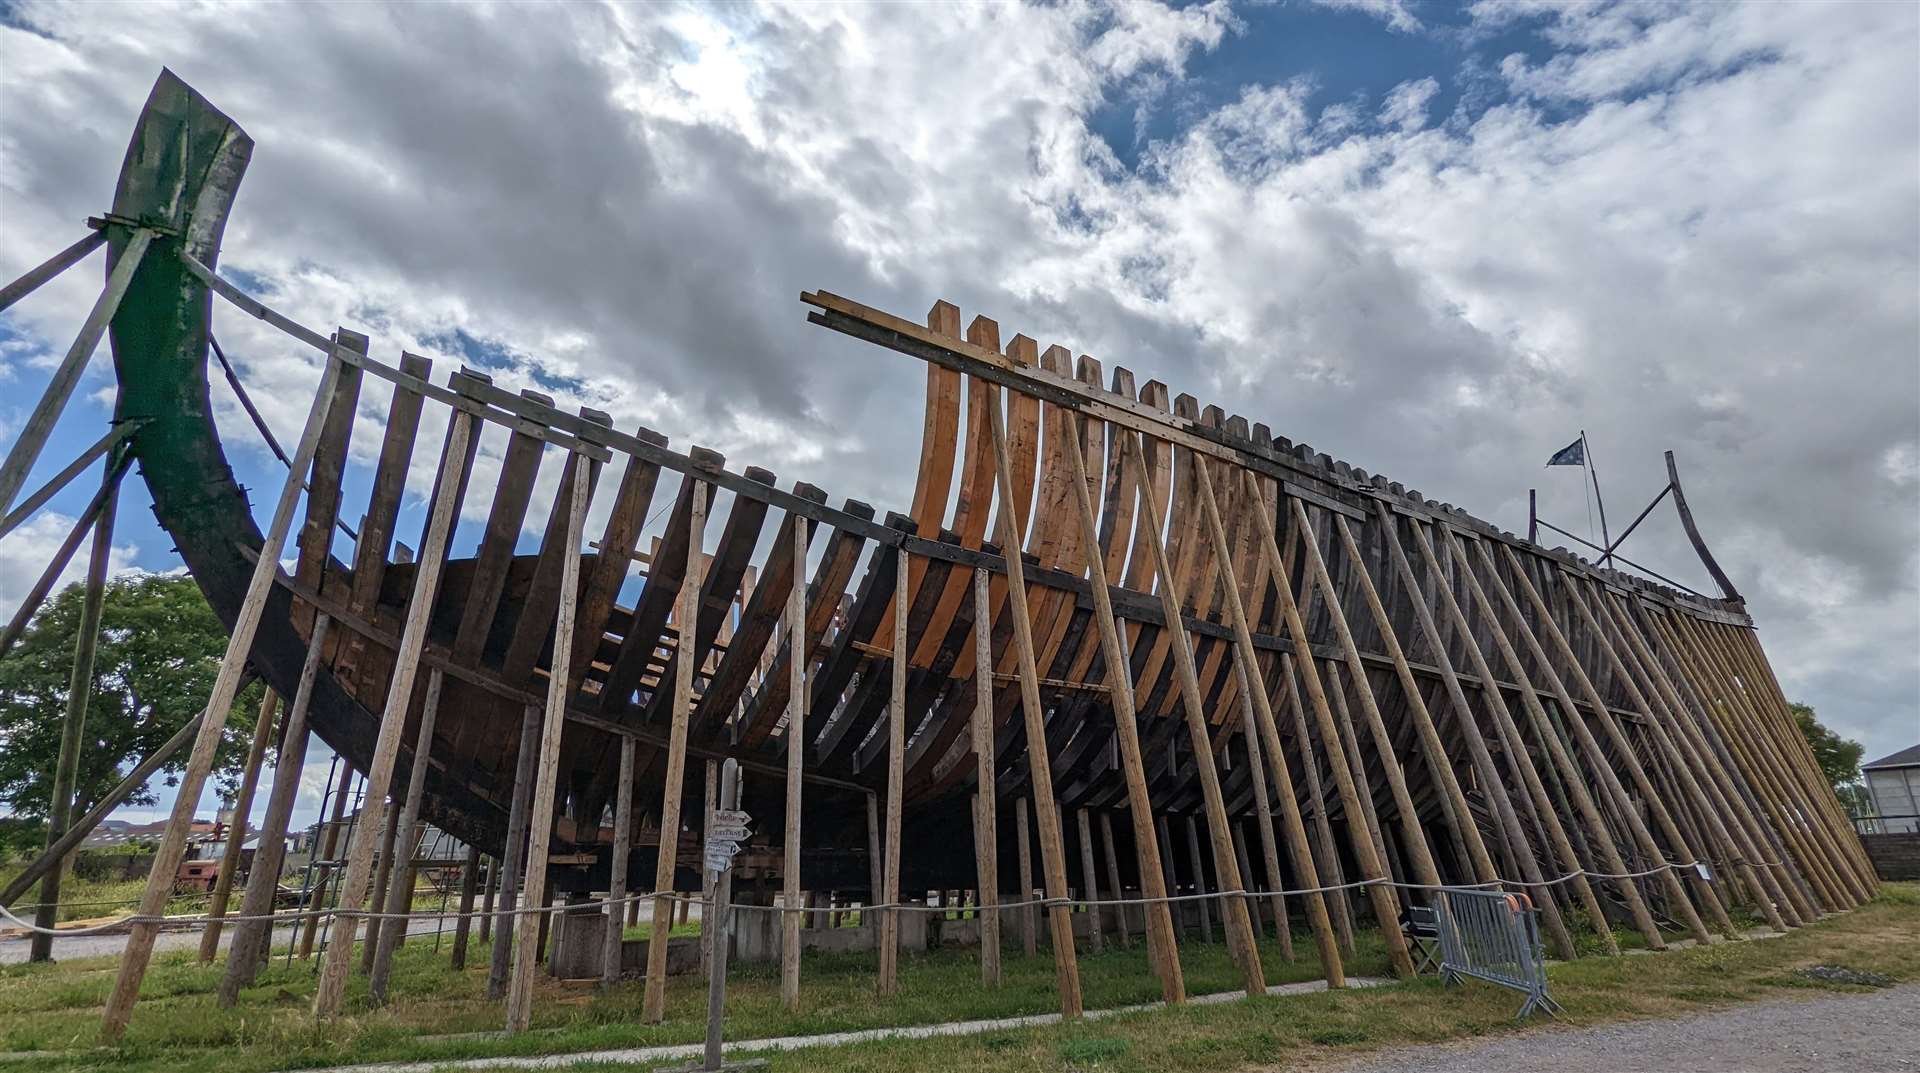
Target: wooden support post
(1413,835)
(796,753)
(1517,757)
(875,869)
(1162,953)
(37,276)
(514,862)
(1341,901)
(1263,808)
(986,828)
(1168,875)
(252,938)
(709,800)
(66,770)
(653,1007)
(57,566)
(1239,929)
(237,831)
(1066,964)
(896,778)
(382,879)
(1090,881)
(373,809)
(1029,920)
(1385,905)
(489,887)
(393,931)
(559,688)
(1596,756)
(463,925)
(173,845)
(1203,910)
(330,850)
(66,376)
(1121,924)
(617,874)
(1709,790)
(1600,839)
(1491,782)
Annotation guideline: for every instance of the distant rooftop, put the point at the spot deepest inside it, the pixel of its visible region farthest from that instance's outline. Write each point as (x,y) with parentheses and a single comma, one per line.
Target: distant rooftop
(1908,757)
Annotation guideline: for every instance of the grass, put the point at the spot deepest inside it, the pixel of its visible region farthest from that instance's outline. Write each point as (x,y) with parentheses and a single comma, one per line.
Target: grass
(55,1008)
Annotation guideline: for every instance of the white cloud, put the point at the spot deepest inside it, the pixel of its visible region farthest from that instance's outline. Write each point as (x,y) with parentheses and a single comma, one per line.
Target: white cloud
(1688,227)
(26,551)
(1397,14)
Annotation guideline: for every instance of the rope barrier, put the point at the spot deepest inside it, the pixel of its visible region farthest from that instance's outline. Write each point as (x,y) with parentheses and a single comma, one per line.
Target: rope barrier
(902,907)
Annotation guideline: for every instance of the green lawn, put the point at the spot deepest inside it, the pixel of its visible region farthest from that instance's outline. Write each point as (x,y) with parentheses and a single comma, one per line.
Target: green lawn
(55,1008)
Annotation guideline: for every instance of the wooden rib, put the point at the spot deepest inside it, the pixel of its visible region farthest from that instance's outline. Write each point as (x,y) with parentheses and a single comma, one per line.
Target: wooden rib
(617,545)
(315,539)
(974,502)
(519,467)
(533,633)
(383,507)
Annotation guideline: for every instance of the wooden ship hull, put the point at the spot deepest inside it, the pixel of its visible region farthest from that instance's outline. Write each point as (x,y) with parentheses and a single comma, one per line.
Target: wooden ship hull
(1426,699)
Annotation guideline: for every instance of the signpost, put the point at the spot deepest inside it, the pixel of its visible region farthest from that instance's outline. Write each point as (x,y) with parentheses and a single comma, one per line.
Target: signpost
(726,830)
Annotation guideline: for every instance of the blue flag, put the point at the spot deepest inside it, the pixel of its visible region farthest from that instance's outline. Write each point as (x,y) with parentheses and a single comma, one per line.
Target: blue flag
(1573,454)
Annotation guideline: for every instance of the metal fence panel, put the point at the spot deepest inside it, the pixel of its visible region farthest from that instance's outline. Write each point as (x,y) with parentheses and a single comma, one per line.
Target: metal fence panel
(1494,936)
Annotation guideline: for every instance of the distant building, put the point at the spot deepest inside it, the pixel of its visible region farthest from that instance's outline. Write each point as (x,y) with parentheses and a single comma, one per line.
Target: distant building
(1894,784)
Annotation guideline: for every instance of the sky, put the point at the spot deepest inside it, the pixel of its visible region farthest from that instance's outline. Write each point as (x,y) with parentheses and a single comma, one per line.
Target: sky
(1435,241)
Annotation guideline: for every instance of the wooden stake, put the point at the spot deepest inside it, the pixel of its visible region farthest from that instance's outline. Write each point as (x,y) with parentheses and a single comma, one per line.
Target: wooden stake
(382,879)
(251,938)
(986,836)
(1029,929)
(896,778)
(514,861)
(463,925)
(1066,965)
(393,932)
(1263,803)
(796,753)
(1113,880)
(330,852)
(1202,909)
(559,688)
(79,696)
(237,833)
(616,925)
(1091,883)
(1240,942)
(32,436)
(653,1008)
(1162,953)
(173,845)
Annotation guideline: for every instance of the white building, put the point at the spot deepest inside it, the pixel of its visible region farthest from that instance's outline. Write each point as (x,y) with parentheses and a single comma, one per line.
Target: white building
(1894,784)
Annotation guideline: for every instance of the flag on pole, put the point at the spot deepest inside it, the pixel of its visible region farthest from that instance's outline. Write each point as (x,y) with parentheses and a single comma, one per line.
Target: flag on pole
(1573,454)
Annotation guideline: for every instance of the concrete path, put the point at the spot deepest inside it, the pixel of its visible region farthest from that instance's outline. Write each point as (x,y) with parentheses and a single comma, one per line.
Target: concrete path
(647,1057)
(73,948)
(1854,1033)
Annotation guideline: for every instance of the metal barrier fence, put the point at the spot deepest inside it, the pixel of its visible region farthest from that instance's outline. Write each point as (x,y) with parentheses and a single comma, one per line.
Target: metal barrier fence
(1493,936)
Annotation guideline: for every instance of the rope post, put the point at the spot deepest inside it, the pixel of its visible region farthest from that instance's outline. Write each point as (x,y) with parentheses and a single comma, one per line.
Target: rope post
(237,834)
(173,845)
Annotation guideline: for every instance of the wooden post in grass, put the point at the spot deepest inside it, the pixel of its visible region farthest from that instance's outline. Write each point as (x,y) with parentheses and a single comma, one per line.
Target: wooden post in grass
(1066,965)
(653,1007)
(252,938)
(1090,877)
(559,688)
(1029,930)
(896,777)
(796,734)
(79,695)
(1201,906)
(1112,859)
(512,864)
(1239,929)
(986,831)
(173,845)
(463,925)
(393,931)
(617,873)
(237,831)
(1163,955)
(382,878)
(328,997)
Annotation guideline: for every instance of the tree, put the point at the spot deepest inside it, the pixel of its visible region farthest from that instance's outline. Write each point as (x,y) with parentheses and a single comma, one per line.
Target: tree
(1839,758)
(160,649)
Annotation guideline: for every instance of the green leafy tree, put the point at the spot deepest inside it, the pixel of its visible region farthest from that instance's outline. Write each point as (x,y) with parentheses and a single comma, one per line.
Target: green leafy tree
(1839,758)
(159,651)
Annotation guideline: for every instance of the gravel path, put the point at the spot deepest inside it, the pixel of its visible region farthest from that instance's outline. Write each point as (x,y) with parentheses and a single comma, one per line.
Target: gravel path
(1874,1033)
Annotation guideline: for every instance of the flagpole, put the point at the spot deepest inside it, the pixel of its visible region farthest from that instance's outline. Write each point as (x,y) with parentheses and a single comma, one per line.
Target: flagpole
(1586,459)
